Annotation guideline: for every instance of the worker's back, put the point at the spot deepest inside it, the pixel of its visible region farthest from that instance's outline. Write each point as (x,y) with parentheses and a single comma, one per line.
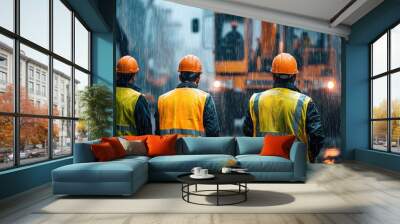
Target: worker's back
(279,111)
(181,111)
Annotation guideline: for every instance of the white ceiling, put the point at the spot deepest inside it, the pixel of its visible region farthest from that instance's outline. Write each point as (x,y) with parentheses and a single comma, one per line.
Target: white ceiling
(316,15)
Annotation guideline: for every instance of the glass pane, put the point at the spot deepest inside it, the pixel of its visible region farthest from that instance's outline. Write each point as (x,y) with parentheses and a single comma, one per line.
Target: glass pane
(7,14)
(62,138)
(81,131)
(35,21)
(395,47)
(395,94)
(379,135)
(81,45)
(6,142)
(62,29)
(379,97)
(33,139)
(81,81)
(6,74)
(34,92)
(62,89)
(379,55)
(395,136)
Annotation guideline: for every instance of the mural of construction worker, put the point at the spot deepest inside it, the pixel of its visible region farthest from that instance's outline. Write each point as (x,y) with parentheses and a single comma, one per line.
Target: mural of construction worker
(187,110)
(133,115)
(233,43)
(284,110)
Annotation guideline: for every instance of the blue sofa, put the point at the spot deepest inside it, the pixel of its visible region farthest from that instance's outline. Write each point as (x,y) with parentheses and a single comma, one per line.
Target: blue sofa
(125,176)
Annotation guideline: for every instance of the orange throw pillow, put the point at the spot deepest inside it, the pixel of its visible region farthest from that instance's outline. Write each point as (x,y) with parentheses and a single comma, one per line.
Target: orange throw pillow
(116,145)
(161,145)
(103,152)
(277,145)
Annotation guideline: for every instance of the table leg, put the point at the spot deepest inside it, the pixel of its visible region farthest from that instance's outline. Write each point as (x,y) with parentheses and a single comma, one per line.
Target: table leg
(245,193)
(196,187)
(217,194)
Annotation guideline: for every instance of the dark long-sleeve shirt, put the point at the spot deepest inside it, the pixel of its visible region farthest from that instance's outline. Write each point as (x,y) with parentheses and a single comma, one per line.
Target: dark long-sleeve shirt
(210,117)
(314,127)
(142,112)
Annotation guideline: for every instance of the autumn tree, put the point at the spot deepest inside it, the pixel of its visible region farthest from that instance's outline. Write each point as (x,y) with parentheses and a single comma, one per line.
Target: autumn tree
(379,128)
(33,131)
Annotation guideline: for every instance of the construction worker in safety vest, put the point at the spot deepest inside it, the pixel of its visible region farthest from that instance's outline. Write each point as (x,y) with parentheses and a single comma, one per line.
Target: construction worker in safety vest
(187,110)
(133,115)
(284,110)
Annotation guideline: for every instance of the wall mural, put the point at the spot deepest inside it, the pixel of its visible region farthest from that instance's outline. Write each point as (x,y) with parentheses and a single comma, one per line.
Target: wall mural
(236,53)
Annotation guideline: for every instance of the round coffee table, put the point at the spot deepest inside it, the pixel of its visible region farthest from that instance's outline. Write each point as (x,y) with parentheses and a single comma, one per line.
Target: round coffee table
(238,179)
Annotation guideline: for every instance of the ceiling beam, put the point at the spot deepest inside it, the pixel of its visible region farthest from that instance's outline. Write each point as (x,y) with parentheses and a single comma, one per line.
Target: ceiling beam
(346,12)
(270,15)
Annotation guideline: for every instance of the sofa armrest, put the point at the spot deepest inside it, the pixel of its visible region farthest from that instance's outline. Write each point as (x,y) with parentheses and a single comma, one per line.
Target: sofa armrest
(83,152)
(298,154)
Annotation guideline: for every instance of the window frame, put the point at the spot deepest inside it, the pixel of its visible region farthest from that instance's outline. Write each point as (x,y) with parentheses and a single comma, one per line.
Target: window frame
(389,73)
(16,115)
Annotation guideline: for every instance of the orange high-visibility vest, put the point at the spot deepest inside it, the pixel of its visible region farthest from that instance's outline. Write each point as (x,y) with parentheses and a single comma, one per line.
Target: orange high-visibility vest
(181,112)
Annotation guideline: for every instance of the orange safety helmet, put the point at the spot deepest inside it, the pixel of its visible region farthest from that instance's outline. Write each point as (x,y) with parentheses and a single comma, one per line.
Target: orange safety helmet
(284,63)
(127,65)
(190,63)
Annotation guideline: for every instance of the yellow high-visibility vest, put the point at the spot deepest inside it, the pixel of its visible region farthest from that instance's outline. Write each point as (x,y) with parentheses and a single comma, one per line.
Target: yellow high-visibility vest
(181,112)
(279,111)
(126,99)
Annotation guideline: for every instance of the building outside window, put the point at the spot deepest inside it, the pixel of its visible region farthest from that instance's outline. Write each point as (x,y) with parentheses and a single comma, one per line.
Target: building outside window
(55,128)
(30,87)
(30,72)
(385,95)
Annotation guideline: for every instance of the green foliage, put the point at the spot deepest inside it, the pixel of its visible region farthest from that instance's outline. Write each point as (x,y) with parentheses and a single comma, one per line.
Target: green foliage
(96,104)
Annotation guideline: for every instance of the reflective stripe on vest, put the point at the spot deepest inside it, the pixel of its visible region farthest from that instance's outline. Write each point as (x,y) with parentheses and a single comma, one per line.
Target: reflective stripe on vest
(181,132)
(126,99)
(125,130)
(181,111)
(279,111)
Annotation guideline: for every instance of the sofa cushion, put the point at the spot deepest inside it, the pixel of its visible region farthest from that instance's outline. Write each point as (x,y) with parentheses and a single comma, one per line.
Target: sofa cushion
(257,163)
(112,171)
(249,145)
(206,145)
(185,163)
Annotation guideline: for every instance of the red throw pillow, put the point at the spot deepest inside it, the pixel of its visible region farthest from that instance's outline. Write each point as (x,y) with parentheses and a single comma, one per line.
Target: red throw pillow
(161,145)
(116,145)
(277,145)
(103,152)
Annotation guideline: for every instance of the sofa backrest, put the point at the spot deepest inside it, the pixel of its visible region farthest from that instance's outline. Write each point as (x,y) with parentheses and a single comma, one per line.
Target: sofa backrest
(249,145)
(83,152)
(206,145)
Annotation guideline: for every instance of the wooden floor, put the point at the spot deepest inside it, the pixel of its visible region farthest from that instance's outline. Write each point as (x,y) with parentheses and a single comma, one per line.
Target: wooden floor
(377,188)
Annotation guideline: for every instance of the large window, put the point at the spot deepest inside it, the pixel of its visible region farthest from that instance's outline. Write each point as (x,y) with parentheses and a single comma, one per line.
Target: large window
(385,94)
(44,64)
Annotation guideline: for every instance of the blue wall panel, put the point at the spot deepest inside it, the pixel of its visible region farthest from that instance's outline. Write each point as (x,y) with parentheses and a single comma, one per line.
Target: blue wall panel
(103,61)
(24,178)
(356,82)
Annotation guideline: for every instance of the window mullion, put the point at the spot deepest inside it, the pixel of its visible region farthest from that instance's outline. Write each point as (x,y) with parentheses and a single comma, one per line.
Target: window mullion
(389,101)
(50,81)
(16,85)
(73,82)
